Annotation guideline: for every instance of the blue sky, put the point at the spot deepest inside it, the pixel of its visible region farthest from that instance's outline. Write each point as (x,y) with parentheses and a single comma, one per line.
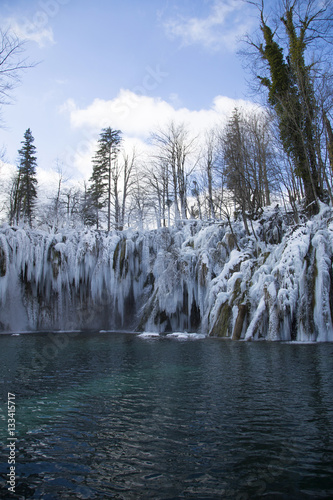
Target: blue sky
(130,64)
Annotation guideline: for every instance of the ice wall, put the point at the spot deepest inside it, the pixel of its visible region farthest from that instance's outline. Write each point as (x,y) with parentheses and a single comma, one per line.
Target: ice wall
(279,286)
(72,280)
(95,280)
(276,285)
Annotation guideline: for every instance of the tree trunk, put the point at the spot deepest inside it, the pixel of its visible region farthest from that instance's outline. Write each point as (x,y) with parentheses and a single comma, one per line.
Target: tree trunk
(109,195)
(329,132)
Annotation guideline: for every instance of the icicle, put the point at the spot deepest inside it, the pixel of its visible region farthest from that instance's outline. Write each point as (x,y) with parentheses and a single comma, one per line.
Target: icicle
(322,311)
(256,320)
(171,279)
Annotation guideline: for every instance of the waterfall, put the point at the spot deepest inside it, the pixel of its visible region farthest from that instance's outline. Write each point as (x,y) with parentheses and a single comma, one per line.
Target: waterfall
(276,286)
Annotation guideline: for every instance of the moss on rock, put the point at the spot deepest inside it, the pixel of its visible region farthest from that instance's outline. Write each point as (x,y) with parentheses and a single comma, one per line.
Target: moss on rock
(221,326)
(238,328)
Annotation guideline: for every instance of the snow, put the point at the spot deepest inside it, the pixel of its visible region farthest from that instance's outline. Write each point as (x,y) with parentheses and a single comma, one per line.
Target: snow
(175,335)
(186,336)
(149,335)
(322,311)
(186,279)
(251,331)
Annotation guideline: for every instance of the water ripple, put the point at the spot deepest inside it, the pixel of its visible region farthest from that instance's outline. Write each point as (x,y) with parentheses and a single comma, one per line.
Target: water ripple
(167,420)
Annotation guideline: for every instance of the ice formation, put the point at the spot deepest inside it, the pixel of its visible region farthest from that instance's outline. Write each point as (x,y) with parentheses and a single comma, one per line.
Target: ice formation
(276,286)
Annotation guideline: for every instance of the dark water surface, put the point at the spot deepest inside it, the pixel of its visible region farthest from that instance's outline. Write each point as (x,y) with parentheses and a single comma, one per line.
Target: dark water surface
(105,415)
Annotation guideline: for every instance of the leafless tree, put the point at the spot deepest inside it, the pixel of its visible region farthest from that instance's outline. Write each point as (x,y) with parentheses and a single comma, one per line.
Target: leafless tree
(12,64)
(137,213)
(208,164)
(174,155)
(128,182)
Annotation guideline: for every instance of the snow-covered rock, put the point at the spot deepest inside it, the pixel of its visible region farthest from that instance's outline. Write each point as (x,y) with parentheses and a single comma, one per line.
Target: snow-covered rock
(275,285)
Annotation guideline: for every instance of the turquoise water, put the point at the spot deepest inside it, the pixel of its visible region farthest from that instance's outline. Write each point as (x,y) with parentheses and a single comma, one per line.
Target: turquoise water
(111,415)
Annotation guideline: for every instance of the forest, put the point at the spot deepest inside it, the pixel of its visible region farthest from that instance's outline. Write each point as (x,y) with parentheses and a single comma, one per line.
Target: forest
(281,152)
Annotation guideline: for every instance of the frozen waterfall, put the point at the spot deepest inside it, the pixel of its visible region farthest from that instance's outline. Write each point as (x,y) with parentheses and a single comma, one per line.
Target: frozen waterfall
(276,287)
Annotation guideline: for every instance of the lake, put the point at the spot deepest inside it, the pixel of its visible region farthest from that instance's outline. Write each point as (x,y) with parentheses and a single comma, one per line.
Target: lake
(112,415)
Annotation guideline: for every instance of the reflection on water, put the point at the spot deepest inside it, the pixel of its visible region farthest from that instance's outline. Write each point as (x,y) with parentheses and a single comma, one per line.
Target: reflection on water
(108,415)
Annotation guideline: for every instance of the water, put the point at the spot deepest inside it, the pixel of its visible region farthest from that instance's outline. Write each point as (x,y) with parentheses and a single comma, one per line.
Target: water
(105,415)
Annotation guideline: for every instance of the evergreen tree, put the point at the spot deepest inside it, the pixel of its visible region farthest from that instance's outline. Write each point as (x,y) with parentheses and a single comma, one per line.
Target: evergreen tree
(103,172)
(88,210)
(26,192)
(236,161)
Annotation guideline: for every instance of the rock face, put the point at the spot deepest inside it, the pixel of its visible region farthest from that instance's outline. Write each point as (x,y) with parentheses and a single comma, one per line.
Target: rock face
(193,278)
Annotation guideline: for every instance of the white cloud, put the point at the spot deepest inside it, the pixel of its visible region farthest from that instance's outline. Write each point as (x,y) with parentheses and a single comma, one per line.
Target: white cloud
(137,116)
(220,29)
(68,106)
(175,100)
(37,32)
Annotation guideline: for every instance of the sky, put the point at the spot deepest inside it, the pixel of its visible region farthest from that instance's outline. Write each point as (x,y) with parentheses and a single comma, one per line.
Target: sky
(133,65)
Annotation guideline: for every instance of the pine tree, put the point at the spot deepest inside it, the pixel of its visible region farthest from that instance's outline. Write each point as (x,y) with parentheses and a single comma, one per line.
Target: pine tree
(88,208)
(102,176)
(236,162)
(97,193)
(26,194)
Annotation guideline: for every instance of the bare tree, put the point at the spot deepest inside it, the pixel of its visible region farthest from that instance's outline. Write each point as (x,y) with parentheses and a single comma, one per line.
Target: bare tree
(128,182)
(262,166)
(208,166)
(140,200)
(72,198)
(175,148)
(12,63)
(56,208)
(159,188)
(13,199)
